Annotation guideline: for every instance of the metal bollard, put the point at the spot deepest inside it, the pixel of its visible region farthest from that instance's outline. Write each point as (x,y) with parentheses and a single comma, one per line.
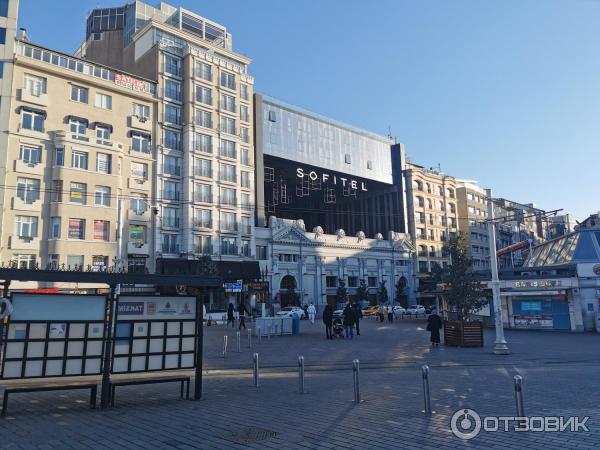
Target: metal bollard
(224,346)
(519,395)
(237,342)
(426,396)
(301,374)
(356,372)
(270,331)
(258,331)
(255,367)
(249,337)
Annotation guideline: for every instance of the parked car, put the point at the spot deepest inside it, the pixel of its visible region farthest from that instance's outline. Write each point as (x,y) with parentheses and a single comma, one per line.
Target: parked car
(415,310)
(370,311)
(399,311)
(289,311)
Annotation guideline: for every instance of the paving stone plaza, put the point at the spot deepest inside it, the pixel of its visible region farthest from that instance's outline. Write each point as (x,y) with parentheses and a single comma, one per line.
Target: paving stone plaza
(560,373)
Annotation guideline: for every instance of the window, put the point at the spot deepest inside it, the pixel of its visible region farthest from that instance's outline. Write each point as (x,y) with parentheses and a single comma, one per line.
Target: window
(171,190)
(171,166)
(331,282)
(25,261)
(3,35)
(203,245)
(272,116)
(228,80)
(4,8)
(244,92)
(244,117)
(245,156)
(369,164)
(202,167)
(173,90)
(139,170)
(245,134)
(138,204)
(227,197)
(228,246)
(28,189)
(372,281)
(99,263)
(245,248)
(101,230)
(26,227)
(172,139)
(103,163)
(103,135)
(348,159)
(140,142)
(77,229)
(246,227)
(261,252)
(103,101)
(141,111)
(228,125)
(227,149)
(203,218)
(35,86)
(79,160)
(32,120)
(53,261)
(245,201)
(57,188)
(78,193)
(203,143)
(136,265)
(75,261)
(203,95)
(227,172)
(170,244)
(102,197)
(203,70)
(228,221)
(203,118)
(172,65)
(172,114)
(245,179)
(352,282)
(228,103)
(79,94)
(59,156)
(78,128)
(202,193)
(169,217)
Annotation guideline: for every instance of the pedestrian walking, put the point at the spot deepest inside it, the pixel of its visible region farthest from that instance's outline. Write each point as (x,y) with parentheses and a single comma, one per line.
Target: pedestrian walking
(311,313)
(349,320)
(242,313)
(357,316)
(390,314)
(305,308)
(434,325)
(328,321)
(230,317)
(381,313)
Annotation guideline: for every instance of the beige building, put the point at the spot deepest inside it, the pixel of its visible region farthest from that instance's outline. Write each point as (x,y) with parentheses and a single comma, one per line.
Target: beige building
(80,150)
(205,152)
(472,216)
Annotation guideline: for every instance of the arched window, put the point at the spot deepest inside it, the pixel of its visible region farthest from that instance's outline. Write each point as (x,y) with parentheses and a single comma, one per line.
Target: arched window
(420,202)
(288,283)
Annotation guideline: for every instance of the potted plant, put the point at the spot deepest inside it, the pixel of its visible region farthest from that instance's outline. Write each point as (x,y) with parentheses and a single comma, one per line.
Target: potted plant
(464,296)
(341,293)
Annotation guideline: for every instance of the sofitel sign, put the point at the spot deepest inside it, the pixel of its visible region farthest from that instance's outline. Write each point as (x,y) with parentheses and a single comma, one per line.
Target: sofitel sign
(333,179)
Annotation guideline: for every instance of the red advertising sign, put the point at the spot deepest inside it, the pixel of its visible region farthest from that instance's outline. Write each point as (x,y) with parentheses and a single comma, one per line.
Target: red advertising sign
(130,82)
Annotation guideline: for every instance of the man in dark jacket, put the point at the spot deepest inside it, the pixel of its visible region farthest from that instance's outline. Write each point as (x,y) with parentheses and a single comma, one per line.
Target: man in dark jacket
(328,321)
(357,316)
(242,310)
(230,316)
(349,320)
(434,324)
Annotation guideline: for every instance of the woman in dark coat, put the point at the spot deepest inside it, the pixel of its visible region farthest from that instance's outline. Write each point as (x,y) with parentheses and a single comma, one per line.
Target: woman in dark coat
(434,325)
(328,321)
(230,317)
(349,319)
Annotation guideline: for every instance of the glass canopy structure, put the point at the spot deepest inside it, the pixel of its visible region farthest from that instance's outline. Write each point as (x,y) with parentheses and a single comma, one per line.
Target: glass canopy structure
(579,247)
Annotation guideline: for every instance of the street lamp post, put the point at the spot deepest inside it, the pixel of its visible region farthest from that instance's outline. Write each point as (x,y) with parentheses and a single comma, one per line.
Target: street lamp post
(500,347)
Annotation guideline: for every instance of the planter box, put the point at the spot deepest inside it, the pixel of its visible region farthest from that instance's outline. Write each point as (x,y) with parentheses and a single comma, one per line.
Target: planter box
(463,334)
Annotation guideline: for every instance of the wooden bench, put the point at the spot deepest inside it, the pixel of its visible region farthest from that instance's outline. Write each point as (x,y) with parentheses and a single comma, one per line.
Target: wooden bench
(54,387)
(133,381)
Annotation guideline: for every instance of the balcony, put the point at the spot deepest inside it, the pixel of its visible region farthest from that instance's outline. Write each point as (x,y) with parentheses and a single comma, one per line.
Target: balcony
(138,183)
(29,97)
(22,205)
(139,152)
(28,167)
(140,216)
(134,248)
(24,243)
(141,123)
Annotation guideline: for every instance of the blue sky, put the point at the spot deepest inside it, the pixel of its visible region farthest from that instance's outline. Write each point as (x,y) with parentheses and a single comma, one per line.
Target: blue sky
(503,91)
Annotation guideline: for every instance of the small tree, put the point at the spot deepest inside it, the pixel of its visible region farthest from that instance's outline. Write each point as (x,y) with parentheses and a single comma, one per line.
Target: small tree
(464,293)
(341,293)
(362,293)
(383,293)
(401,296)
(292,297)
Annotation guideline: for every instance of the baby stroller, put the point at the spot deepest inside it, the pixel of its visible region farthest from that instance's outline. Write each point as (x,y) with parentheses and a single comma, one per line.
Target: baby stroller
(338,328)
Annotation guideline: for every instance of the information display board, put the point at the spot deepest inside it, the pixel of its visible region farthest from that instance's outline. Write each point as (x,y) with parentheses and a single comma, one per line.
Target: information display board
(154,333)
(54,335)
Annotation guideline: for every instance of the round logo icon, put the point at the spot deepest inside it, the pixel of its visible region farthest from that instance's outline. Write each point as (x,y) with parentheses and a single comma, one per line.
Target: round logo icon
(465,424)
